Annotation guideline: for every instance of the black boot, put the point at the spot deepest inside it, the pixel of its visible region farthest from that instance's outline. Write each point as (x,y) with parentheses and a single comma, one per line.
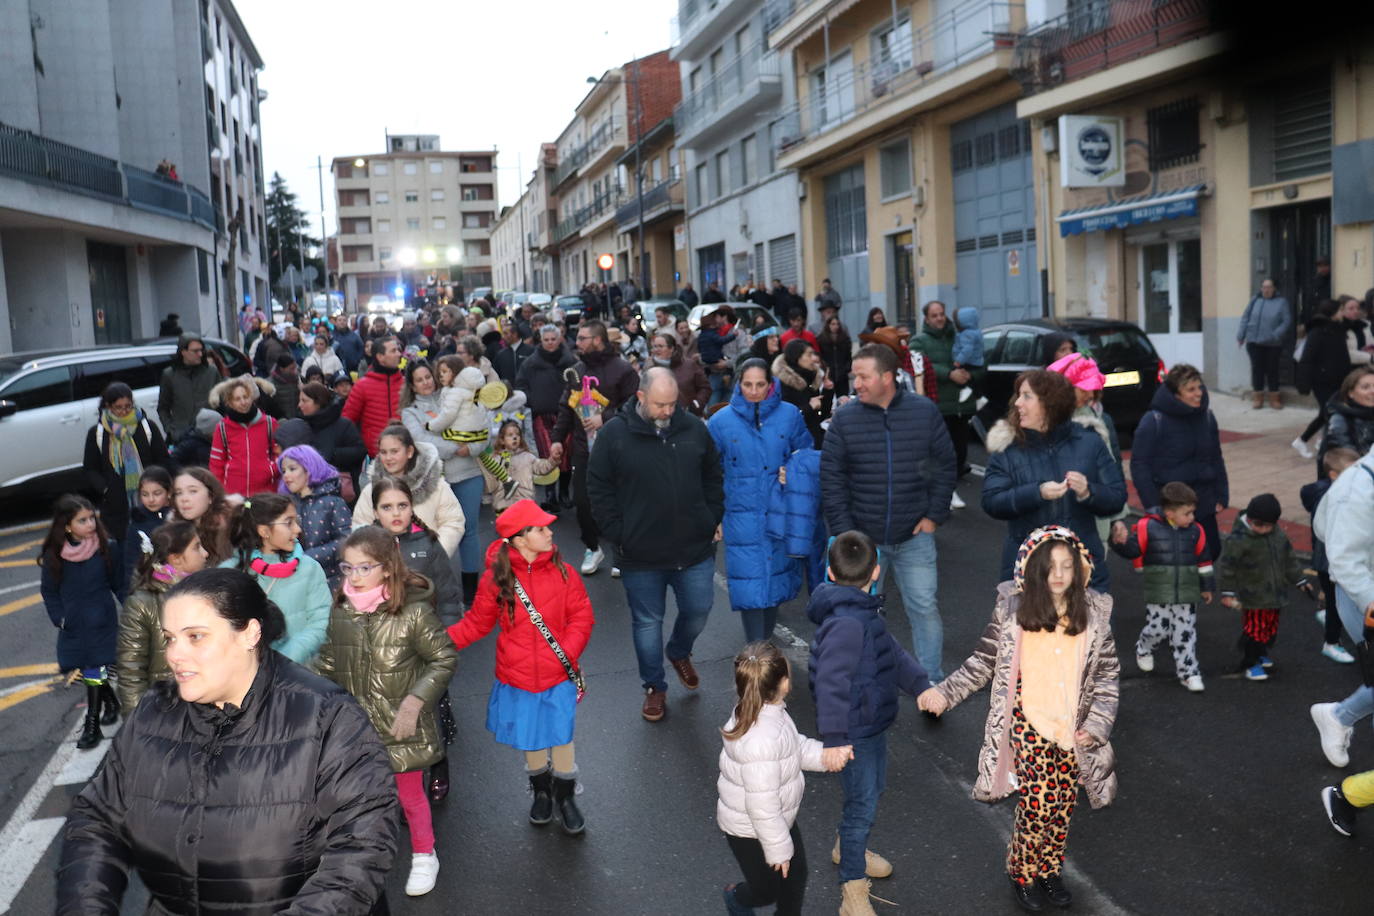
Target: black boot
(109,705)
(90,731)
(469,588)
(563,792)
(541,811)
(438,781)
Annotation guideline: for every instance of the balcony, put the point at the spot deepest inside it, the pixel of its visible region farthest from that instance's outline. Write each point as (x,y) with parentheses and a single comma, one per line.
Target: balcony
(662,199)
(608,140)
(749,83)
(601,211)
(960,52)
(28,156)
(701,24)
(1103,34)
(566,229)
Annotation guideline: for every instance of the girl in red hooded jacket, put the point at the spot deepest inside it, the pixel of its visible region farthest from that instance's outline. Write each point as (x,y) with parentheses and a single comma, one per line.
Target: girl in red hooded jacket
(241,446)
(534,700)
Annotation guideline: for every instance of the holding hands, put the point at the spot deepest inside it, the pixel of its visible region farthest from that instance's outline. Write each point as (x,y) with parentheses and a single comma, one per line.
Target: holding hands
(556,451)
(932,701)
(833,759)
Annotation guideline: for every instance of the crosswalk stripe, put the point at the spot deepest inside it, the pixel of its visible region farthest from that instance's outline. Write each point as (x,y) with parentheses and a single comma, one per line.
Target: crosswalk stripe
(30,670)
(20,603)
(15,564)
(18,694)
(14,865)
(20,547)
(20,587)
(29,846)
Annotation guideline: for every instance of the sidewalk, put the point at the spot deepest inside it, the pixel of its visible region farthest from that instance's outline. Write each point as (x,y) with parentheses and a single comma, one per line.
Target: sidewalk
(1259,459)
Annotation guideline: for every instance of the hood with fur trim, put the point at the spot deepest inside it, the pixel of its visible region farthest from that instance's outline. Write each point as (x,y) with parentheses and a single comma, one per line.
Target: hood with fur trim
(1038,538)
(1001,436)
(220,392)
(787,375)
(423,478)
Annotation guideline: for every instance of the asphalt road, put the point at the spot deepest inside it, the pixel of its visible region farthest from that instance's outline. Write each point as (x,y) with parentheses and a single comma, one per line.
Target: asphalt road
(1218,810)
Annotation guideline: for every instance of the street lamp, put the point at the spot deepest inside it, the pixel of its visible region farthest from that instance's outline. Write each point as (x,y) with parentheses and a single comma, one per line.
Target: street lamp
(453,255)
(406,257)
(359,162)
(639,172)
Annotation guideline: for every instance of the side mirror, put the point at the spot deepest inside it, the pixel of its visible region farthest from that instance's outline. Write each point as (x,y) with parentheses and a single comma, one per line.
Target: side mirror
(8,409)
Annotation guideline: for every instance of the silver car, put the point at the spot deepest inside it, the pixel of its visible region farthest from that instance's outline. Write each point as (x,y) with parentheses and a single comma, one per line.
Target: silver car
(50,398)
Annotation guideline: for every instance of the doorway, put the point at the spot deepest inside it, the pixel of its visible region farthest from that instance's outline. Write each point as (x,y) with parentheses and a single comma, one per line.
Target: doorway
(1170,300)
(711,264)
(902,301)
(109,277)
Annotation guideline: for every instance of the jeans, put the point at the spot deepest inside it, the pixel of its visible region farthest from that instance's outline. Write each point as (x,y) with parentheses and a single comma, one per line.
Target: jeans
(913,564)
(758,623)
(720,386)
(469,495)
(646,591)
(863,779)
(1264,366)
(1359,704)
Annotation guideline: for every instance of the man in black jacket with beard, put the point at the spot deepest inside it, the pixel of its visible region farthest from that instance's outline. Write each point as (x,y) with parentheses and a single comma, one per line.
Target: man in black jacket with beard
(658,491)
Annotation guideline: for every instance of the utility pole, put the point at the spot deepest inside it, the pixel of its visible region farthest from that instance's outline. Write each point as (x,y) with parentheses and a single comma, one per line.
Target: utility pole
(324,237)
(639,181)
(524,237)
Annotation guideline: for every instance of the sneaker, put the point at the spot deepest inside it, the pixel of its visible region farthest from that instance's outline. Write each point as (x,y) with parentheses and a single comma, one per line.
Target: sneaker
(955,502)
(615,572)
(1339,811)
(965,394)
(1266,661)
(1336,652)
(592,560)
(1145,662)
(1256,673)
(1301,448)
(1193,682)
(655,704)
(424,871)
(1335,736)
(1321,616)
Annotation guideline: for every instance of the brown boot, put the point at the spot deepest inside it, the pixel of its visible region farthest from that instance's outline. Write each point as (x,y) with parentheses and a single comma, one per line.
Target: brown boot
(1276,400)
(855,899)
(1257,400)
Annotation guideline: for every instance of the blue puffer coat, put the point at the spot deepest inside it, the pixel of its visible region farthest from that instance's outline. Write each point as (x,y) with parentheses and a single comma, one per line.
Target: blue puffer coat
(755,440)
(1011,487)
(82,606)
(794,512)
(885,469)
(1178,442)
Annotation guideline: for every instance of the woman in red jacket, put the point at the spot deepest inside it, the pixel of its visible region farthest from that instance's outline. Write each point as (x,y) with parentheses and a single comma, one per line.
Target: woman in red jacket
(534,700)
(241,446)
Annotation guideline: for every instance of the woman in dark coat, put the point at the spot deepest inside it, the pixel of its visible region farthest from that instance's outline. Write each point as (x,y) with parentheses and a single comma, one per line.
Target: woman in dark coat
(119,446)
(335,437)
(797,370)
(837,351)
(1324,365)
(249,786)
(1045,469)
(693,389)
(1352,414)
(1178,440)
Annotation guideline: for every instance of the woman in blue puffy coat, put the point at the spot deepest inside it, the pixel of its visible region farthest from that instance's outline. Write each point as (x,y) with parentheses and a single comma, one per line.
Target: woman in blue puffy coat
(756,433)
(1046,469)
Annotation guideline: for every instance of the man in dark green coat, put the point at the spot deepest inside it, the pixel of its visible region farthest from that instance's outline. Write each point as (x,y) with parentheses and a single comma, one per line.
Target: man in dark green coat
(185,388)
(936,341)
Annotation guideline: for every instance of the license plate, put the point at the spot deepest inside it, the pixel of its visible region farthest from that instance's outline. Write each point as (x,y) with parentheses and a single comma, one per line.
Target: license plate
(1114,379)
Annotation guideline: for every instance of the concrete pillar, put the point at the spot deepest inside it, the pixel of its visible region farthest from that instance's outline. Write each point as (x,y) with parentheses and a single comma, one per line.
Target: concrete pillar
(142,299)
(49,289)
(6,339)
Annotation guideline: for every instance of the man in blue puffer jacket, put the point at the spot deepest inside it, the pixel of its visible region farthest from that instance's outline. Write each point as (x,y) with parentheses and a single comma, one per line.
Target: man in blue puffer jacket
(888,470)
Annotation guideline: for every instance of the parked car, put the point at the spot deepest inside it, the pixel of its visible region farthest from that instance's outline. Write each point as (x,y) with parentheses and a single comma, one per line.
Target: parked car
(478,293)
(1122,350)
(540,301)
(645,308)
(53,397)
(746,313)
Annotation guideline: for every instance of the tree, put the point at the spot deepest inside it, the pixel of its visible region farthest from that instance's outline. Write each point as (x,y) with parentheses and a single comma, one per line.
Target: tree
(287,234)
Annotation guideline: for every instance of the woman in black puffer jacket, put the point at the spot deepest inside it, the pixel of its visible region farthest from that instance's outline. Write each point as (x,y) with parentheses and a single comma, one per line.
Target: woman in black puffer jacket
(248,786)
(1324,365)
(1352,414)
(797,370)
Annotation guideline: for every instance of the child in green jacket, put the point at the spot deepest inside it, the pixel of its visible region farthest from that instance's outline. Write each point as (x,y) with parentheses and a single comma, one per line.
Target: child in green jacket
(1256,568)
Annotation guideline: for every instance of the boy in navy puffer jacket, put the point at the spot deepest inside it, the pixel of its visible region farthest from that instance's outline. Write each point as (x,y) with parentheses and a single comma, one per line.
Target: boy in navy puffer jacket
(857,668)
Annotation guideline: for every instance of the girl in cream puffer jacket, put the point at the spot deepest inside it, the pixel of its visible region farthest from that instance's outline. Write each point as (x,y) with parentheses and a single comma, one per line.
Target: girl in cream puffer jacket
(761,784)
(458,407)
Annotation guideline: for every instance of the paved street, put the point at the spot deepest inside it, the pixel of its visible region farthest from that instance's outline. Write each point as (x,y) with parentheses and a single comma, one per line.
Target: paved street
(1218,809)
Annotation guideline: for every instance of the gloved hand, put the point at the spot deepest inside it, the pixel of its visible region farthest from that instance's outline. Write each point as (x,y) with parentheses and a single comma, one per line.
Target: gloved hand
(407,717)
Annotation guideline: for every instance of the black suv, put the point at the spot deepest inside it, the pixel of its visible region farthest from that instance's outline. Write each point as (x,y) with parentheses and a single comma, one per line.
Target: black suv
(1123,352)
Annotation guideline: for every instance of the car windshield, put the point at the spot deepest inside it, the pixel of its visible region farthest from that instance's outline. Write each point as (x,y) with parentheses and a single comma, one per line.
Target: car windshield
(1115,345)
(570,302)
(8,367)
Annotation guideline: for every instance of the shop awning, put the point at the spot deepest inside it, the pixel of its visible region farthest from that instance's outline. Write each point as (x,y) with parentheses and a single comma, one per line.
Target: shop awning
(1131,211)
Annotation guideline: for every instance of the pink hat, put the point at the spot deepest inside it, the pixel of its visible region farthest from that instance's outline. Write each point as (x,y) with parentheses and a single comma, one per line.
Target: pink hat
(1081,371)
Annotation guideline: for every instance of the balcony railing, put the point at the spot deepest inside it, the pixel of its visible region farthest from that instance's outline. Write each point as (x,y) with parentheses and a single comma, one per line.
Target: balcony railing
(584,153)
(964,34)
(565,229)
(1102,34)
(661,197)
(776,11)
(27,155)
(738,80)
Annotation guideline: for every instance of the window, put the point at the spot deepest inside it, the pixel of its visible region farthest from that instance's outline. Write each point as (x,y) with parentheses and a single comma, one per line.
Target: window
(412,197)
(672,164)
(203,269)
(703,189)
(352,225)
(383,225)
(894,166)
(722,171)
(413,223)
(1175,134)
(383,197)
(482,220)
(694,80)
(353,253)
(1019,348)
(409,168)
(436,167)
(133,371)
(749,149)
(439,222)
(469,193)
(381,168)
(474,249)
(436,194)
(890,49)
(846,220)
(383,254)
(344,170)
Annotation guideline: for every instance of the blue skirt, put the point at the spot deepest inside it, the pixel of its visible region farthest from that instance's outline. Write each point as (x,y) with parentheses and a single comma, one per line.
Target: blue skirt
(532,721)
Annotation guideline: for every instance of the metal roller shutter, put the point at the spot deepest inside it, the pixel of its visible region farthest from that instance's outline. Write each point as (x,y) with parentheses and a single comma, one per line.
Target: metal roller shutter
(782,257)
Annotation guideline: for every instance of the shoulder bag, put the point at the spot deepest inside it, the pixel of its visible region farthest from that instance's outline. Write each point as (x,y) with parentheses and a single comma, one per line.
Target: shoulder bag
(574,674)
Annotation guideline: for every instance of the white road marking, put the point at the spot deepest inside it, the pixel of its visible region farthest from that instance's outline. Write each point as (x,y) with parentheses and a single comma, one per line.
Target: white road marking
(17,863)
(81,767)
(24,686)
(33,841)
(20,587)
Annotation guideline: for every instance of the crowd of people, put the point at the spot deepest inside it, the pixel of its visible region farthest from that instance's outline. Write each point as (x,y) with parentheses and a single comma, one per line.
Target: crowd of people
(271,545)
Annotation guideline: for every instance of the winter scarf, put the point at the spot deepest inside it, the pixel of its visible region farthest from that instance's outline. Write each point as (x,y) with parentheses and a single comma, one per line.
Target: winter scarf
(1357,328)
(365,600)
(123,450)
(81,550)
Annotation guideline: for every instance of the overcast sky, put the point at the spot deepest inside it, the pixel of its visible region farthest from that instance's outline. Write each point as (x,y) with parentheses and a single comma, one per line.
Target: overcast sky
(480,73)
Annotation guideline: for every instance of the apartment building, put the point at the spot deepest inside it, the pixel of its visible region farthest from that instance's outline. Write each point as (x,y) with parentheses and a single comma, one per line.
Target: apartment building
(652,216)
(414,217)
(589,182)
(98,242)
(915,168)
(1174,174)
(743,217)
(520,235)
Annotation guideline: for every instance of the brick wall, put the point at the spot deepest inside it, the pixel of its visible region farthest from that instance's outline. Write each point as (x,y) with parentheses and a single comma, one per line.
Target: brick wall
(660,89)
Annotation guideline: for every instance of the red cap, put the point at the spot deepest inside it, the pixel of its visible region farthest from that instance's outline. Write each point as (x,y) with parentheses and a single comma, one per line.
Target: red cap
(524,514)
